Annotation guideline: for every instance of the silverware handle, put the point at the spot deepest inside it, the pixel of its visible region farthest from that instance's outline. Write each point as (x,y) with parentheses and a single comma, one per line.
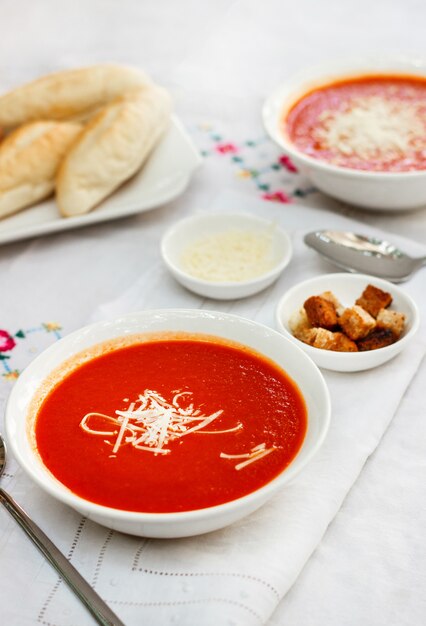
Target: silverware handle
(94,603)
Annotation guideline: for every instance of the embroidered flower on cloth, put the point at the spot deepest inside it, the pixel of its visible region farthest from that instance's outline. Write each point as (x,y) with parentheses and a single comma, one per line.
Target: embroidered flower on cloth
(11,376)
(287,163)
(226,148)
(244,174)
(52,326)
(6,341)
(277,196)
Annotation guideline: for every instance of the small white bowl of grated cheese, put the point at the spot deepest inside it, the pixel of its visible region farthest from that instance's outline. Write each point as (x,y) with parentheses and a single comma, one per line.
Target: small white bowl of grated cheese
(226,256)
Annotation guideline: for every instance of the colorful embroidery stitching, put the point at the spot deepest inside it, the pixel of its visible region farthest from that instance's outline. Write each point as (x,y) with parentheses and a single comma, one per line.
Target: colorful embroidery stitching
(16,349)
(259,161)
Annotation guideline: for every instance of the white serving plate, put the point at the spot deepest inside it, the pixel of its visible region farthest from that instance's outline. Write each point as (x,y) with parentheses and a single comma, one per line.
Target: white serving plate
(164,177)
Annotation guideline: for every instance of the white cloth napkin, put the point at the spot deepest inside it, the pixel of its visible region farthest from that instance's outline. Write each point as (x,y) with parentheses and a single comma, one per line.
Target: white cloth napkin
(369,567)
(236,576)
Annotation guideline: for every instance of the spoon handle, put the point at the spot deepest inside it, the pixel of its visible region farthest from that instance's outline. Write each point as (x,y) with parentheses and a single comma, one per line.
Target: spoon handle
(94,603)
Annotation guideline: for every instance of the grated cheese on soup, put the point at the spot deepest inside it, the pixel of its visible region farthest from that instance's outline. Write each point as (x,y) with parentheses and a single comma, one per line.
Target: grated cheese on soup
(372,126)
(374,123)
(232,256)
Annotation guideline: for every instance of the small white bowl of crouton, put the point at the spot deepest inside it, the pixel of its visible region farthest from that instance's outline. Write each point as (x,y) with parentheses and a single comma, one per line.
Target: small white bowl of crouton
(348,322)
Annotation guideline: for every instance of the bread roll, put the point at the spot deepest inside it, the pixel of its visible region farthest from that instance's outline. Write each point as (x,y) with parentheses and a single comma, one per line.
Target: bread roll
(68,95)
(29,160)
(111,148)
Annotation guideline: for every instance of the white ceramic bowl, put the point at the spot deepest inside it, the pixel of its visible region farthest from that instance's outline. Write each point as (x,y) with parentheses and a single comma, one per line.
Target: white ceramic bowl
(371,190)
(265,340)
(189,230)
(347,288)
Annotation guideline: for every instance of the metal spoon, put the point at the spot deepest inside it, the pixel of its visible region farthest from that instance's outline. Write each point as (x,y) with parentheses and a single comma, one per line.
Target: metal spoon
(369,255)
(97,607)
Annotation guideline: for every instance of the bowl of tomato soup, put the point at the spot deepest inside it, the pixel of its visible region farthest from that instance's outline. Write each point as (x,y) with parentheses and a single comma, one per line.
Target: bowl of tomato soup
(168,423)
(358,131)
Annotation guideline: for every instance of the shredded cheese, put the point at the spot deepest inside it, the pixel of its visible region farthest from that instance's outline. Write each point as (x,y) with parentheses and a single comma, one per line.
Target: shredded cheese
(231,256)
(254,458)
(219,432)
(373,127)
(151,422)
(256,453)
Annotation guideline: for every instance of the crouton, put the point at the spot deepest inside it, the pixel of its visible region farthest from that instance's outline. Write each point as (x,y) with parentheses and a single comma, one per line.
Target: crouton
(378,338)
(307,335)
(329,295)
(298,321)
(323,322)
(393,320)
(301,328)
(373,299)
(338,342)
(356,322)
(321,312)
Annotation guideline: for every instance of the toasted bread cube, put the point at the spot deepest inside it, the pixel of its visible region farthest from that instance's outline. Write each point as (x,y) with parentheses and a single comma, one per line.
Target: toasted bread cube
(356,322)
(307,335)
(378,338)
(321,312)
(298,321)
(338,342)
(323,339)
(373,299)
(393,320)
(329,295)
(301,328)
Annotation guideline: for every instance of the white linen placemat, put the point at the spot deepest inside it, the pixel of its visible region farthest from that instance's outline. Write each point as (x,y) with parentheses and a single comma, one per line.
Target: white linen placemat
(236,576)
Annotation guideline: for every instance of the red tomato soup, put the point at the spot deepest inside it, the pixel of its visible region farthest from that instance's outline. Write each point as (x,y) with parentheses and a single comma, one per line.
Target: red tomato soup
(373,123)
(170,425)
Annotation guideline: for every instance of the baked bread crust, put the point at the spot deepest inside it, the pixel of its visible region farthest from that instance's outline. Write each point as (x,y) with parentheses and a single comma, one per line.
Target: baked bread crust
(373,300)
(321,312)
(29,160)
(111,148)
(69,95)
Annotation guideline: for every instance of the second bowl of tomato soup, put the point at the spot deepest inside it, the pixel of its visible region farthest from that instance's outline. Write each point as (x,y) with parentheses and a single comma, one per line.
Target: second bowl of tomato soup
(373,123)
(358,131)
(168,423)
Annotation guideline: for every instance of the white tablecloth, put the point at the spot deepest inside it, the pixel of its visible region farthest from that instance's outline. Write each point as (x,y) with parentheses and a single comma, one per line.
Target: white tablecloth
(220,60)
